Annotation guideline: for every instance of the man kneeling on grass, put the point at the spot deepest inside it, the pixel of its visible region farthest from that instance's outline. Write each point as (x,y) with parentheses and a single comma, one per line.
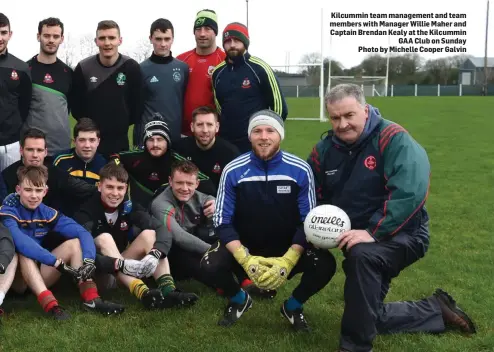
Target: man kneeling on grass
(30,222)
(120,232)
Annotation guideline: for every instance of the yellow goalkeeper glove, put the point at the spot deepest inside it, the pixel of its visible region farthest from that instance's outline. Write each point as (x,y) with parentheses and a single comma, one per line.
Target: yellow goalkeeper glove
(250,263)
(279,269)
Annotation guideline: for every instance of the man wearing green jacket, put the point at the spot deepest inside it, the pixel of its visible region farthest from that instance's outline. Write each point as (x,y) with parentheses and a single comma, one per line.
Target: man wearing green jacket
(378,174)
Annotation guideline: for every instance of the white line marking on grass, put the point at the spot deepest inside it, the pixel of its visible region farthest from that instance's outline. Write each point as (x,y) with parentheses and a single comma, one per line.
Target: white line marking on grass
(304,118)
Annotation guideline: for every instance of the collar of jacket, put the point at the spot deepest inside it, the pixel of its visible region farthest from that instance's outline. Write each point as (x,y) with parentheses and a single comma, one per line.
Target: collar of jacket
(116,62)
(4,55)
(238,60)
(161,59)
(81,159)
(266,164)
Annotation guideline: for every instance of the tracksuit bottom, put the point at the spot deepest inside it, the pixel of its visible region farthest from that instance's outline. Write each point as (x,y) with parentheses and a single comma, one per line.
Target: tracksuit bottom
(369,268)
(7,249)
(186,265)
(317,268)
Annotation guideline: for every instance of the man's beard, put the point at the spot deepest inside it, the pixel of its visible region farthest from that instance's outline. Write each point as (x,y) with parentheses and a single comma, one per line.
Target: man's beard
(235,53)
(46,52)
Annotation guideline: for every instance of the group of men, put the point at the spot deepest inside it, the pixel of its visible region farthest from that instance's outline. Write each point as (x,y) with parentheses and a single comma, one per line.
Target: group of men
(117,92)
(227,212)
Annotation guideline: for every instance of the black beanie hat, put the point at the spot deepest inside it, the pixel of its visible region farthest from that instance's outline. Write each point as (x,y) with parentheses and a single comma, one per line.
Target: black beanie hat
(156,127)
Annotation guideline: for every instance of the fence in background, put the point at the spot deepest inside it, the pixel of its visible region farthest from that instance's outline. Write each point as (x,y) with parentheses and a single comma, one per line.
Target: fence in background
(397,90)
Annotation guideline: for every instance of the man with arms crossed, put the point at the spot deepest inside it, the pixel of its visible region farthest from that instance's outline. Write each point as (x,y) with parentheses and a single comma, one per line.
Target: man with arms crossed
(164,82)
(52,88)
(15,97)
(29,223)
(107,89)
(201,61)
(263,199)
(379,175)
(83,161)
(133,234)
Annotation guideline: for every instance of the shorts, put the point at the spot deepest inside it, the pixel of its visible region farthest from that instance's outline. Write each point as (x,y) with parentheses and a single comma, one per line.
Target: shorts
(52,240)
(123,239)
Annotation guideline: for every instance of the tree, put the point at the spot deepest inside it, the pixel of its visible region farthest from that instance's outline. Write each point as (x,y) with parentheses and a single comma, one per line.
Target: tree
(87,46)
(373,65)
(313,73)
(68,52)
(141,50)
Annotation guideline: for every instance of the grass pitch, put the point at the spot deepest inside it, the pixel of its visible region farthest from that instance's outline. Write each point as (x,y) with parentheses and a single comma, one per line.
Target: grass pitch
(456,132)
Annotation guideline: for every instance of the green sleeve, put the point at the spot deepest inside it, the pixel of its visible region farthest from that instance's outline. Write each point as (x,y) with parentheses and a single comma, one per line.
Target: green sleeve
(407,174)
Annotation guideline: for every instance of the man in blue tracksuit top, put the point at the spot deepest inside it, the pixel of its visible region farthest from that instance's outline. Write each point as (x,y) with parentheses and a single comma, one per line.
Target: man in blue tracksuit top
(83,161)
(242,85)
(263,199)
(29,222)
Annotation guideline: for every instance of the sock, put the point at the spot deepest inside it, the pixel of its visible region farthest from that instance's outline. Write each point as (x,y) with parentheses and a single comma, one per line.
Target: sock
(239,298)
(2,296)
(88,290)
(47,300)
(138,288)
(292,304)
(246,282)
(166,284)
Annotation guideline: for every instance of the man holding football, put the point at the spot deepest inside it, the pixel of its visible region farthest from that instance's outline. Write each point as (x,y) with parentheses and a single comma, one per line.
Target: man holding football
(379,175)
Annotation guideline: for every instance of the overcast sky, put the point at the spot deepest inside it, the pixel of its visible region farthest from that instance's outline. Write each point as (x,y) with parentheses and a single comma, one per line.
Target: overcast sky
(277,28)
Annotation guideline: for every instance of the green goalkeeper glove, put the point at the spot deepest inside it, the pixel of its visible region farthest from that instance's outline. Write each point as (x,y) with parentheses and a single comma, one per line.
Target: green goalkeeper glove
(279,269)
(250,263)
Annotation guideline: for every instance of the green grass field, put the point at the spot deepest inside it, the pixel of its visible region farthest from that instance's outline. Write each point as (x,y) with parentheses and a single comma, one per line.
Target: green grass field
(456,132)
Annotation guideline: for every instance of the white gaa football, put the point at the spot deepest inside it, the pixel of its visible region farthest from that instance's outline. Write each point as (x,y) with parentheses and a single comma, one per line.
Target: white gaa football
(324,224)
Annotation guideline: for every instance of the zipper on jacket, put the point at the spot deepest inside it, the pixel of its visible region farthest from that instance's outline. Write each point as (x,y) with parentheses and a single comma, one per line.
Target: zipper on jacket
(182,211)
(267,181)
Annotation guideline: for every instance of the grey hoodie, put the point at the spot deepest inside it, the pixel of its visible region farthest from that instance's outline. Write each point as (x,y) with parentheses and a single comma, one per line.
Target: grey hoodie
(184,220)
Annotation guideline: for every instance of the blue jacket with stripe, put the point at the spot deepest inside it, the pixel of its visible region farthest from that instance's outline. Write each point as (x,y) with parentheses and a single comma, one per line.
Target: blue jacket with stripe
(264,203)
(75,166)
(29,227)
(241,88)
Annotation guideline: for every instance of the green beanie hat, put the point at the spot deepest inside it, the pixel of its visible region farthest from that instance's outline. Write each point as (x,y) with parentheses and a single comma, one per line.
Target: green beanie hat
(207,18)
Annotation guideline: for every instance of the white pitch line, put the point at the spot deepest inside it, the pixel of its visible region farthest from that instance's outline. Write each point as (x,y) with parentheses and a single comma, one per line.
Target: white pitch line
(304,118)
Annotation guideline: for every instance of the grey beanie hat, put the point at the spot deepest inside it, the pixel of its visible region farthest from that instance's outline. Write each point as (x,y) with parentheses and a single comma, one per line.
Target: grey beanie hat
(267,117)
